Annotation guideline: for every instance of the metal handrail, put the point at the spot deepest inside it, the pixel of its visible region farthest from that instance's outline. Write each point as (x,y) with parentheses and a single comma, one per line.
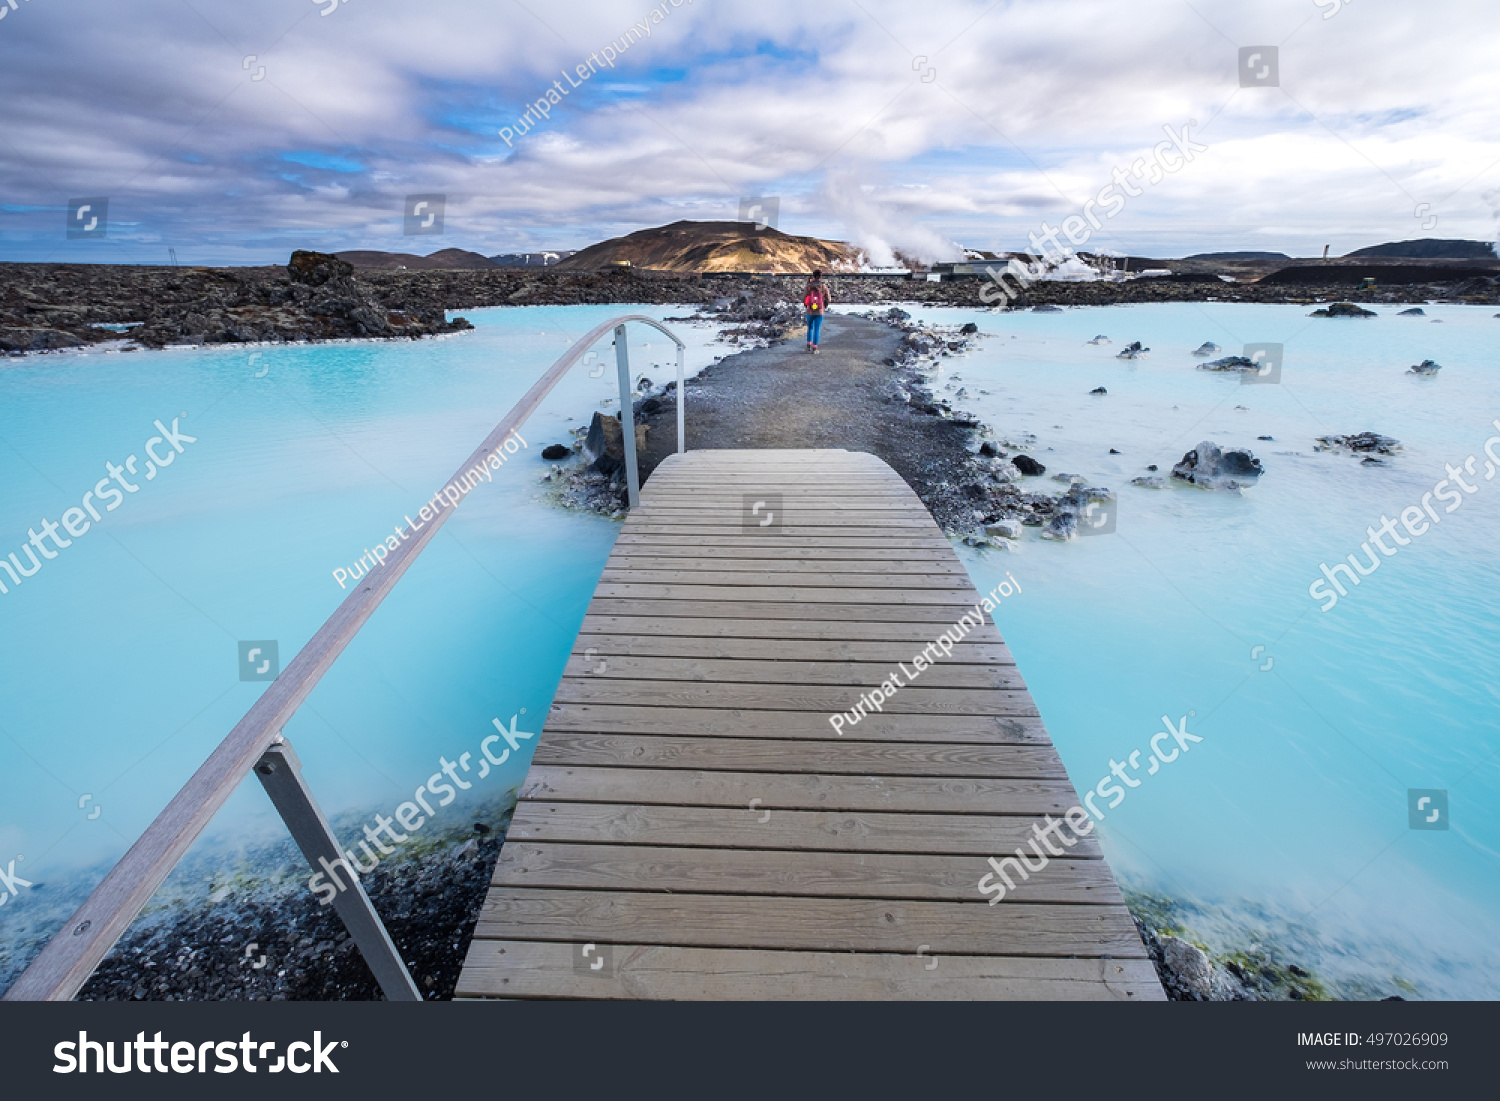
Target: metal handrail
(256,742)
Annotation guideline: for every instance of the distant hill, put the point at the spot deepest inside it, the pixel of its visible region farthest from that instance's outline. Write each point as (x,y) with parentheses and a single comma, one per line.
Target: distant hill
(1238,256)
(716,247)
(1383,274)
(1431,248)
(531,259)
(449,259)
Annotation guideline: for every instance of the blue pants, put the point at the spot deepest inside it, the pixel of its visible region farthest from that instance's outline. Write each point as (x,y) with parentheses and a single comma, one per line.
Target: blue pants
(814,327)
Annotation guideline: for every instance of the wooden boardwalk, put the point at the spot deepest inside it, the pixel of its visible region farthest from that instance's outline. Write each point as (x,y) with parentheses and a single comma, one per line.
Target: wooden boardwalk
(692,825)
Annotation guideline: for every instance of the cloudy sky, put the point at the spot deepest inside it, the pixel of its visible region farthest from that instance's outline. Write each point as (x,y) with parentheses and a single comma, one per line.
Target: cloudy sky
(237,130)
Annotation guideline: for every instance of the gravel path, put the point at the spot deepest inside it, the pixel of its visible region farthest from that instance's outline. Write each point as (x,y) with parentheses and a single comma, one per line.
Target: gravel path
(844,396)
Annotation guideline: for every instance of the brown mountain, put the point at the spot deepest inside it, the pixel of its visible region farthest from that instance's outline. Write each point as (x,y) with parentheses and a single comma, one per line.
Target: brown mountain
(448,259)
(716,247)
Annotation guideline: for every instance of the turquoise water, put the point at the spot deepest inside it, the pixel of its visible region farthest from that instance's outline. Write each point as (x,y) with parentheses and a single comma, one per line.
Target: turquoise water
(120,656)
(1294,807)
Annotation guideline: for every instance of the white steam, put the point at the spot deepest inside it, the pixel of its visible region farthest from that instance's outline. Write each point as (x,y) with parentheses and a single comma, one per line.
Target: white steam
(881,229)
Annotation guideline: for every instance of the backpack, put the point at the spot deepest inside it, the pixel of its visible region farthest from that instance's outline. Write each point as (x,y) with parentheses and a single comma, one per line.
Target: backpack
(814,300)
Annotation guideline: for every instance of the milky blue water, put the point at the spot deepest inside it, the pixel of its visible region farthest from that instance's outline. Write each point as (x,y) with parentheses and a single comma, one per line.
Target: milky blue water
(119,658)
(119,666)
(1295,804)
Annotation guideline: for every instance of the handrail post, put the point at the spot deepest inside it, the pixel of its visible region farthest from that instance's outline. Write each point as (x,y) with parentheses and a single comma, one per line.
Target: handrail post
(280,773)
(681,400)
(627,417)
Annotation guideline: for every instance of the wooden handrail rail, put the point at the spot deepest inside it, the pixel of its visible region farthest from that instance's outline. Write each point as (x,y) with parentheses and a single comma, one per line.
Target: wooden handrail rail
(70,957)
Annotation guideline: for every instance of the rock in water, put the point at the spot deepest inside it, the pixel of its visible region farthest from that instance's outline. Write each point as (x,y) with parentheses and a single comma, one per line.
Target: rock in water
(604,446)
(1230,363)
(1028,466)
(1359,443)
(1415,311)
(1063,527)
(1098,390)
(1426,367)
(1131,350)
(1342,309)
(1207,348)
(1100,339)
(969,327)
(1005,529)
(556,451)
(1210,467)
(1189,963)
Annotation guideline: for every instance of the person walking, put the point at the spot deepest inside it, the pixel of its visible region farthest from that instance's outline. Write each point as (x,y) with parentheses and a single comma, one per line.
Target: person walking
(815,300)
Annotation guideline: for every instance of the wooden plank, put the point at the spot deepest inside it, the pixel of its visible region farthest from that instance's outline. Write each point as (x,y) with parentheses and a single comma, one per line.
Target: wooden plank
(797,566)
(978,835)
(797,593)
(546,969)
(817,924)
(937,617)
(725,723)
(786,673)
(825,758)
(744,577)
(768,872)
(689,645)
(814,698)
(797,791)
(835,629)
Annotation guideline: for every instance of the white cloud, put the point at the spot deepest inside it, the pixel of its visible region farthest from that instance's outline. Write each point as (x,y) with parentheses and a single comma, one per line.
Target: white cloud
(1032,104)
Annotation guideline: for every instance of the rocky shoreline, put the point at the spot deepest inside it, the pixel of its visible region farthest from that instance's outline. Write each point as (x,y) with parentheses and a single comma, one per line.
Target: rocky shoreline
(47,307)
(243,925)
